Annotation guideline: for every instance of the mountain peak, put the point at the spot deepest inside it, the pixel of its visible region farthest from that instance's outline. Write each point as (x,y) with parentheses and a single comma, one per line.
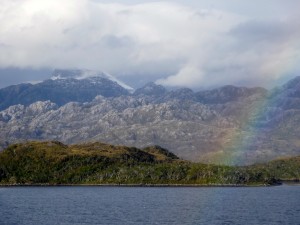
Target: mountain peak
(151,89)
(64,86)
(60,74)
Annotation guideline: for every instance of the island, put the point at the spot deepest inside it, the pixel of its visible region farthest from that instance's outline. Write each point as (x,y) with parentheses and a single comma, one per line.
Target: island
(54,163)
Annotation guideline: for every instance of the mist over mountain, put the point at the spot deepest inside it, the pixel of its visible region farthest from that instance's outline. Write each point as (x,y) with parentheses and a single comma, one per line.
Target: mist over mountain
(233,125)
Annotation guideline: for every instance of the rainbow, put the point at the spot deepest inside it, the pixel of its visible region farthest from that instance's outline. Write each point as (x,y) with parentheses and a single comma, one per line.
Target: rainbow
(238,142)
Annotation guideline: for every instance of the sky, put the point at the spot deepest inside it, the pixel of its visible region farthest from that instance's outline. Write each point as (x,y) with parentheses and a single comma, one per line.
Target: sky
(192,43)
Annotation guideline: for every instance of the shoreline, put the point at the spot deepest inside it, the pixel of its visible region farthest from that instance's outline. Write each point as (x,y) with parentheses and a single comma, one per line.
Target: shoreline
(139,185)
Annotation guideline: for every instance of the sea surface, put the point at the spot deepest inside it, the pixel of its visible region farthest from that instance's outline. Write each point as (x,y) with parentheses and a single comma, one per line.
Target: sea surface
(150,205)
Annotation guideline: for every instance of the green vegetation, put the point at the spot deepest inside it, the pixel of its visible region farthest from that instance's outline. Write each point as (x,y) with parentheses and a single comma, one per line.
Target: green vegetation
(97,163)
(286,169)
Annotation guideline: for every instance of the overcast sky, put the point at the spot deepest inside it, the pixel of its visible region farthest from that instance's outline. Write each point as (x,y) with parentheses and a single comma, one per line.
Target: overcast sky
(193,43)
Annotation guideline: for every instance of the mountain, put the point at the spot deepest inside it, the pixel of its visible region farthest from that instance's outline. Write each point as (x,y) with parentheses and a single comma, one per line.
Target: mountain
(229,125)
(63,87)
(151,89)
(228,93)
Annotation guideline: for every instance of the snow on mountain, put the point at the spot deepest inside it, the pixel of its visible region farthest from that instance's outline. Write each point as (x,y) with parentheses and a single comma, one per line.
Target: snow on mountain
(87,74)
(32,82)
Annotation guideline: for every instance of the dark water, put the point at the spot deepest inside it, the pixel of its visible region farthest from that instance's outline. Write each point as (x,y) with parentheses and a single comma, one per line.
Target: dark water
(131,205)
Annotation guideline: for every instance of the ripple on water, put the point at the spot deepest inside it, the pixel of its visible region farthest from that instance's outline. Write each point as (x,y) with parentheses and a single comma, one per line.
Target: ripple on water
(141,205)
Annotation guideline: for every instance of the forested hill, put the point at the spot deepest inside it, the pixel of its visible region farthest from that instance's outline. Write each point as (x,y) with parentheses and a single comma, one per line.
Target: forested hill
(98,163)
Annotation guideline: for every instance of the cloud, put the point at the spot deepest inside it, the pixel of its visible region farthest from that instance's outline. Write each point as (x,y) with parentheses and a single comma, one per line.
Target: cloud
(250,53)
(175,44)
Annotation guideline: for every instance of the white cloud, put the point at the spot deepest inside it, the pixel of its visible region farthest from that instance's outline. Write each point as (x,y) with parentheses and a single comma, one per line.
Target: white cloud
(180,45)
(188,76)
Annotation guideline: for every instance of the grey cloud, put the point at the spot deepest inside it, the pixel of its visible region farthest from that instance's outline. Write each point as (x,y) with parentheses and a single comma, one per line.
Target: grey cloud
(114,41)
(187,43)
(3,45)
(8,75)
(125,12)
(266,31)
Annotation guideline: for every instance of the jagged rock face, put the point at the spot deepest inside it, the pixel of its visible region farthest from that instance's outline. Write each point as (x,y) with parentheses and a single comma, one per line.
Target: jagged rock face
(225,125)
(129,120)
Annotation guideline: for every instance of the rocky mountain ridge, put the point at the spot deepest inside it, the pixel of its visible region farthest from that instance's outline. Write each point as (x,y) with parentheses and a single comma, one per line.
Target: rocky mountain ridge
(233,125)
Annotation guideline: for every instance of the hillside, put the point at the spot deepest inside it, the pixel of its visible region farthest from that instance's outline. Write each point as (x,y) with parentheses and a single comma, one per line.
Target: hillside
(98,163)
(286,169)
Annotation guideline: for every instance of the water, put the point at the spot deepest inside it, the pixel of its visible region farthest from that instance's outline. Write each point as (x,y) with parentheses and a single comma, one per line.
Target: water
(140,205)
